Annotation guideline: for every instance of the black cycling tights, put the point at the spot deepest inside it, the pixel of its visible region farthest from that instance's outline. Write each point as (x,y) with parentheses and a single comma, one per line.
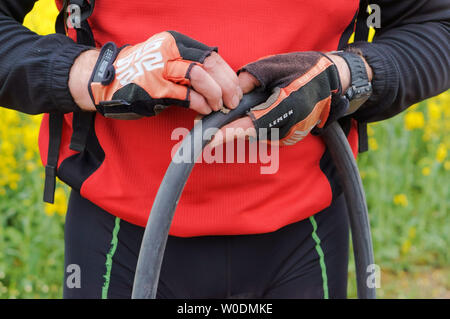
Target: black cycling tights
(307,259)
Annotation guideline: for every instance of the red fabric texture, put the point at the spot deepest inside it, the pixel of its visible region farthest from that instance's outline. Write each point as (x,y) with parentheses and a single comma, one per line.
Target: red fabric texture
(219,198)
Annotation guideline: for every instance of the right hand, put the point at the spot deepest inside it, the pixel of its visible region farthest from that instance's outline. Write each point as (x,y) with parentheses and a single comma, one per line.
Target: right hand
(169,68)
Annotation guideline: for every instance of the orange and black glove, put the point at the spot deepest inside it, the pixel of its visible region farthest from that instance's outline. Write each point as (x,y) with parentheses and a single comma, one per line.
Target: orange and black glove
(144,79)
(306,95)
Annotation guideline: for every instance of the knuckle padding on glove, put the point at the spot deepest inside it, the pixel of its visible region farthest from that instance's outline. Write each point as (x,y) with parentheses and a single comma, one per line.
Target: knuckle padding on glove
(276,71)
(191,49)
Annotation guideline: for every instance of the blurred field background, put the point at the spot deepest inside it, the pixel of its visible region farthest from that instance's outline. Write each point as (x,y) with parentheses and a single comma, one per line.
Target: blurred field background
(406,175)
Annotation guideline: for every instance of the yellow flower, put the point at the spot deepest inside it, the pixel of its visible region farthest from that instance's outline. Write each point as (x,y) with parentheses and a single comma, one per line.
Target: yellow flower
(373,144)
(60,205)
(406,247)
(28,155)
(447,165)
(412,232)
(30,166)
(414,120)
(401,200)
(426,171)
(434,110)
(49,209)
(7,147)
(441,153)
(370,131)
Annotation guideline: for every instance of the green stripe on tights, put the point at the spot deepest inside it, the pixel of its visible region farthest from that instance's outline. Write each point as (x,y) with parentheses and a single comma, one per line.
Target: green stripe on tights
(323,267)
(109,258)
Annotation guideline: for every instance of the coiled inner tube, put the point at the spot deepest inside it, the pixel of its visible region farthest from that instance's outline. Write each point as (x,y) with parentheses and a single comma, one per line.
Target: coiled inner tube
(157,230)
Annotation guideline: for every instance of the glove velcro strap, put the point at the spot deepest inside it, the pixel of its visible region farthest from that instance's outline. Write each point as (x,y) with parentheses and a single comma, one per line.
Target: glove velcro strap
(117,109)
(104,71)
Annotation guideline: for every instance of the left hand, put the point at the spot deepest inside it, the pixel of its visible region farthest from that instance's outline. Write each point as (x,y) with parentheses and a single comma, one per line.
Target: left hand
(304,86)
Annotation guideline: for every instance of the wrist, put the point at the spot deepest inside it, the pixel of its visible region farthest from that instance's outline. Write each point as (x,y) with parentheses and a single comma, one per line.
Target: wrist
(344,71)
(79,77)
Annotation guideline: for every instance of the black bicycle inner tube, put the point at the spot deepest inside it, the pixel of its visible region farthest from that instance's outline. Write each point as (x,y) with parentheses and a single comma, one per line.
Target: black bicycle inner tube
(157,230)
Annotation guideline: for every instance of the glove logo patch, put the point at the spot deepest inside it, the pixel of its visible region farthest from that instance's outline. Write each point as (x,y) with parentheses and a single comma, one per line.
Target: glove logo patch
(133,65)
(281,118)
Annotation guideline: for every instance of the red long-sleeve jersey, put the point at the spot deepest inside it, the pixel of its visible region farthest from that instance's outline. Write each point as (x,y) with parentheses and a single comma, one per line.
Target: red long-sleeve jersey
(130,157)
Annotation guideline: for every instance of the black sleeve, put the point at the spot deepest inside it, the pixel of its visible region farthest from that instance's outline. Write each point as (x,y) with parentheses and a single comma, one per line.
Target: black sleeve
(410,56)
(34,70)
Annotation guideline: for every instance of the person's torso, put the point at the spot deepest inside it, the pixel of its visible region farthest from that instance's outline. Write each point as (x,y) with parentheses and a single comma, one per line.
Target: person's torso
(219,198)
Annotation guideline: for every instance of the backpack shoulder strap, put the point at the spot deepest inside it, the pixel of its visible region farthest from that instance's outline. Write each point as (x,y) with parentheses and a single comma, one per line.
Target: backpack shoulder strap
(82,121)
(55,123)
(361,29)
(362,34)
